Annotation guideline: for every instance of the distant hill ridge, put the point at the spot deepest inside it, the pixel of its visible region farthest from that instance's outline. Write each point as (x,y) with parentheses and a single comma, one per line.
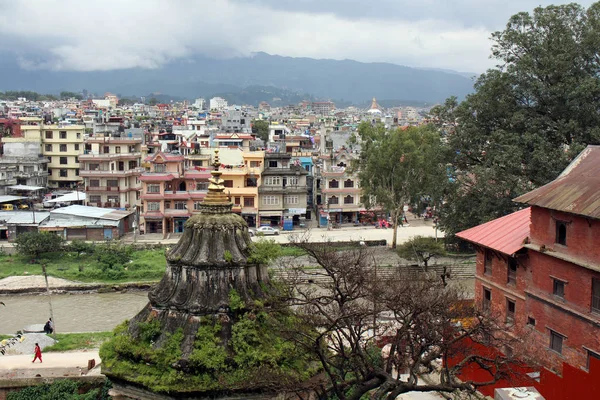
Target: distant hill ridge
(252,79)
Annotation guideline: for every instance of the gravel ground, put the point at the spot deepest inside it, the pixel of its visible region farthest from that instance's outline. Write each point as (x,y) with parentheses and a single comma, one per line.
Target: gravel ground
(28,345)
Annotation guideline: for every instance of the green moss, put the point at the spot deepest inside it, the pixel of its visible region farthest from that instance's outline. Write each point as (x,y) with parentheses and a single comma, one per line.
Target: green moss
(256,355)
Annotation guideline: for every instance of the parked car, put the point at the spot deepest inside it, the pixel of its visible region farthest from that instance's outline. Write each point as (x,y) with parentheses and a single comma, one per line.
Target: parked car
(264,230)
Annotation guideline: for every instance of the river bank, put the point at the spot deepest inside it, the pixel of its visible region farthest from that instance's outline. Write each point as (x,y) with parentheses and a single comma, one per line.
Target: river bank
(35,284)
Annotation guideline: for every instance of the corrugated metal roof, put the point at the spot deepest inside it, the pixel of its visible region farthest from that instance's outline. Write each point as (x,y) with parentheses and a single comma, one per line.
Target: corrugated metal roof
(23,217)
(92,212)
(505,234)
(6,199)
(77,222)
(575,190)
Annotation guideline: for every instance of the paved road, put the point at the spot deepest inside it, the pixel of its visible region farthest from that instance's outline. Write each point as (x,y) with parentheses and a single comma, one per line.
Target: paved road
(55,364)
(361,233)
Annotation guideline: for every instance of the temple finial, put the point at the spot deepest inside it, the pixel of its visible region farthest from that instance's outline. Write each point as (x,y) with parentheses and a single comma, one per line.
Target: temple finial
(216,189)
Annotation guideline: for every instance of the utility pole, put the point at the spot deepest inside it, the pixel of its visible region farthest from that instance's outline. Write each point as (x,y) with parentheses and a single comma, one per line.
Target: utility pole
(49,298)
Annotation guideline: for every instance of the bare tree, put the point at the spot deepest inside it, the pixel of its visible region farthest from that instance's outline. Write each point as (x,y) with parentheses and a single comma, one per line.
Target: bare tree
(422,323)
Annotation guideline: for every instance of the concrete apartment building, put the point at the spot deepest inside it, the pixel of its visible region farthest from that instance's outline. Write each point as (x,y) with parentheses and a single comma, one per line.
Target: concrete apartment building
(110,168)
(283,190)
(61,145)
(242,182)
(170,193)
(322,107)
(218,104)
(539,268)
(338,190)
(22,161)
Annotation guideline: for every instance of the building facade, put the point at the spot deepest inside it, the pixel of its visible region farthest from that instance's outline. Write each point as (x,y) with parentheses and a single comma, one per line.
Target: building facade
(110,168)
(539,268)
(62,145)
(170,194)
(338,194)
(283,191)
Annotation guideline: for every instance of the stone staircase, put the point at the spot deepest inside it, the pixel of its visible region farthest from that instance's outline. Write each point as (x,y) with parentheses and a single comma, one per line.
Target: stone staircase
(461,270)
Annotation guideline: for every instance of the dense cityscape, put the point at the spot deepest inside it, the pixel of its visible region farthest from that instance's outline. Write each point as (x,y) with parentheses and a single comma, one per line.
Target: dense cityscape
(157,159)
(185,216)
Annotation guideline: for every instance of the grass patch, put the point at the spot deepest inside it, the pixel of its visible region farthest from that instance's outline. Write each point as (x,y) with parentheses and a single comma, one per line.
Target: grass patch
(78,341)
(291,251)
(143,265)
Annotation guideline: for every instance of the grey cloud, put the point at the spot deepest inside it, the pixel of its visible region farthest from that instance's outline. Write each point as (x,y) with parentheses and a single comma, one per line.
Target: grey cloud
(492,14)
(117,34)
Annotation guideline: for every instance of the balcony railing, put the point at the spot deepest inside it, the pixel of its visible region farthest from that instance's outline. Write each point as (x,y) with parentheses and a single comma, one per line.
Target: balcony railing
(102,189)
(282,189)
(133,171)
(111,156)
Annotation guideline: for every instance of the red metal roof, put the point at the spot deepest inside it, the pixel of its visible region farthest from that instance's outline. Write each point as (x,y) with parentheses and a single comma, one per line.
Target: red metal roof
(505,234)
(575,190)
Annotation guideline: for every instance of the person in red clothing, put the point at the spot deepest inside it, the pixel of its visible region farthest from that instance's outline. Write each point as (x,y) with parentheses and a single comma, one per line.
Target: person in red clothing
(37,353)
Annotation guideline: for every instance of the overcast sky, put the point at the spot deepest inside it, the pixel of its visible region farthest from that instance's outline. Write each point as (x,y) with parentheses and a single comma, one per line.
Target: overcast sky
(112,34)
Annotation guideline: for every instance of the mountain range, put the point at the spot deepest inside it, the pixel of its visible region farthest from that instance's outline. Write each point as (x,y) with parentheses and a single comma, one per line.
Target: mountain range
(252,79)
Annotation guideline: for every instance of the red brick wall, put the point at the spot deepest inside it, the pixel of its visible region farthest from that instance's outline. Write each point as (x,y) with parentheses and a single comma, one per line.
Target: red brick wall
(571,317)
(501,290)
(582,233)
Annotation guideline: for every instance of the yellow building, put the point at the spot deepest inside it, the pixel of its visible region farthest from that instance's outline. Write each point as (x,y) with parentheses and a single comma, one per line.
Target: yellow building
(242,182)
(62,145)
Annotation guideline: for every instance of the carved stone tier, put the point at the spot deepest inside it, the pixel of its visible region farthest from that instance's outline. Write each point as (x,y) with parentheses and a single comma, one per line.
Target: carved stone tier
(209,260)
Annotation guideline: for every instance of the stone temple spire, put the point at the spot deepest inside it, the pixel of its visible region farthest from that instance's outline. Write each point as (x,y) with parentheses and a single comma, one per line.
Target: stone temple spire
(208,291)
(209,261)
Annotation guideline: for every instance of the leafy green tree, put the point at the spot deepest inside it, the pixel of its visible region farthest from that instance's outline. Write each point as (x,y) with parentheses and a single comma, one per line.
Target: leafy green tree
(398,167)
(528,117)
(35,244)
(80,247)
(153,101)
(421,249)
(260,128)
(70,95)
(113,255)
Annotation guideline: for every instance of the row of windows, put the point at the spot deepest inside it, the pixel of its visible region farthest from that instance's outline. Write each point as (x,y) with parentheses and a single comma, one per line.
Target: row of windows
(63,173)
(277,180)
(63,160)
(511,276)
(274,200)
(334,184)
(335,200)
(155,188)
(177,205)
(61,147)
(61,135)
(558,285)
(98,199)
(109,183)
(556,339)
(181,205)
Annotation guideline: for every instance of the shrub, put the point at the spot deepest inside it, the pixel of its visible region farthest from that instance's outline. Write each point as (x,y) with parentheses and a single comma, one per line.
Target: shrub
(264,251)
(35,244)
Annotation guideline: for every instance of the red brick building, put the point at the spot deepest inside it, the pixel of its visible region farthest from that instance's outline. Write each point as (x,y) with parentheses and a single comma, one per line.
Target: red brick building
(540,267)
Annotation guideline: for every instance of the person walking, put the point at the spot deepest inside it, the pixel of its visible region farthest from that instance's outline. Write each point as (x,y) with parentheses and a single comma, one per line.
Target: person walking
(37,353)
